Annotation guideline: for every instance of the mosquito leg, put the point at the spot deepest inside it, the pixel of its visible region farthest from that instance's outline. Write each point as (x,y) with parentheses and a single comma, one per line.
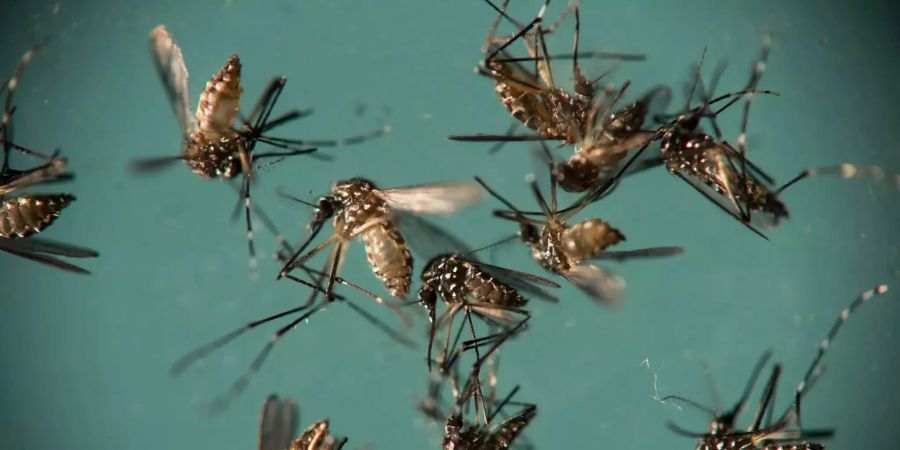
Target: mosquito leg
(251,247)
(202,352)
(823,346)
(845,171)
(350,140)
(221,402)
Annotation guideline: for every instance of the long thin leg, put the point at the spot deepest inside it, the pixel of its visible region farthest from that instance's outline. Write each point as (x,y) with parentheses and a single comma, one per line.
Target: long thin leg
(350,140)
(823,346)
(251,247)
(222,401)
(845,171)
(11,85)
(767,400)
(202,352)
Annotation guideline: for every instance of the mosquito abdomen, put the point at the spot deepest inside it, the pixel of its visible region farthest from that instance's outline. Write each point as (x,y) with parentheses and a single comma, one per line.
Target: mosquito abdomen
(30,213)
(588,238)
(220,101)
(484,288)
(389,257)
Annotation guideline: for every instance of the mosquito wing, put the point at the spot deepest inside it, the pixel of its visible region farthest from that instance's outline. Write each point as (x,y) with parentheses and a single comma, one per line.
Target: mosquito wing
(520,281)
(505,433)
(170,66)
(602,285)
(441,199)
(277,424)
(41,258)
(39,245)
(427,239)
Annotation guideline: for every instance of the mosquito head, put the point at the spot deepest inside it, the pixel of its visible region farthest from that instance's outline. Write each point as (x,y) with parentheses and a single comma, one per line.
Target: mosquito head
(325,208)
(529,233)
(428,298)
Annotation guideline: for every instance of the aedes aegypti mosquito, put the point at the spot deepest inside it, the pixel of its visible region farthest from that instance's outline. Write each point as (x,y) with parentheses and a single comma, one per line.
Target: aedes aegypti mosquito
(563,249)
(361,210)
(214,146)
(27,214)
(586,117)
(720,171)
(787,431)
(278,425)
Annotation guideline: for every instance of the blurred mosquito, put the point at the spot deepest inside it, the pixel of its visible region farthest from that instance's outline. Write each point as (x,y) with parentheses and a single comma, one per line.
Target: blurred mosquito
(361,210)
(562,249)
(213,146)
(278,426)
(26,214)
(722,431)
(485,432)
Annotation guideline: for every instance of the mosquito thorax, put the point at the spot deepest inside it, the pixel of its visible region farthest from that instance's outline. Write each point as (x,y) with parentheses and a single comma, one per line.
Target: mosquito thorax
(215,158)
(529,234)
(626,121)
(356,203)
(549,250)
(577,174)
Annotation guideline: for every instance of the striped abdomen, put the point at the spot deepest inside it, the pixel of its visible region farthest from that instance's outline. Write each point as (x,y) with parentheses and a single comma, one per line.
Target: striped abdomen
(486,289)
(389,257)
(30,213)
(219,103)
(588,238)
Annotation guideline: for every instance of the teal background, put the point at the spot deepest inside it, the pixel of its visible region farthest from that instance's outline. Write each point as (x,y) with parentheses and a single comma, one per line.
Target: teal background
(85,359)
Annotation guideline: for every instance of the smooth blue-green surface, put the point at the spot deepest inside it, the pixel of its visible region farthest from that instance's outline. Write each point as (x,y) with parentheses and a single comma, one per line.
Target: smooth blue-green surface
(85,359)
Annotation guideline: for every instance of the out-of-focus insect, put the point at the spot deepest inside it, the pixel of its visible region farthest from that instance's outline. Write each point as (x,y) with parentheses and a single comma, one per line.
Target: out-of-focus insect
(278,426)
(490,292)
(214,146)
(563,249)
(786,432)
(585,117)
(485,432)
(26,214)
(361,210)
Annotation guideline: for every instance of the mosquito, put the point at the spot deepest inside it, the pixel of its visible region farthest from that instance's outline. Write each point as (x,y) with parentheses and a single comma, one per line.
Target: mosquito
(562,249)
(490,292)
(361,210)
(485,432)
(213,146)
(585,117)
(278,426)
(26,214)
(721,171)
(723,432)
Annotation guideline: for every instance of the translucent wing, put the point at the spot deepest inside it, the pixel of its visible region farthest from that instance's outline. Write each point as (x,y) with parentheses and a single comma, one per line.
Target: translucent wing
(170,66)
(442,198)
(39,245)
(520,281)
(277,424)
(602,285)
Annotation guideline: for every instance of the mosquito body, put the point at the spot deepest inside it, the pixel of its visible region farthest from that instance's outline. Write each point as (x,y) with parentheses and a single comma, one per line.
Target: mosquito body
(563,249)
(360,210)
(278,426)
(787,432)
(215,143)
(26,214)
(488,291)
